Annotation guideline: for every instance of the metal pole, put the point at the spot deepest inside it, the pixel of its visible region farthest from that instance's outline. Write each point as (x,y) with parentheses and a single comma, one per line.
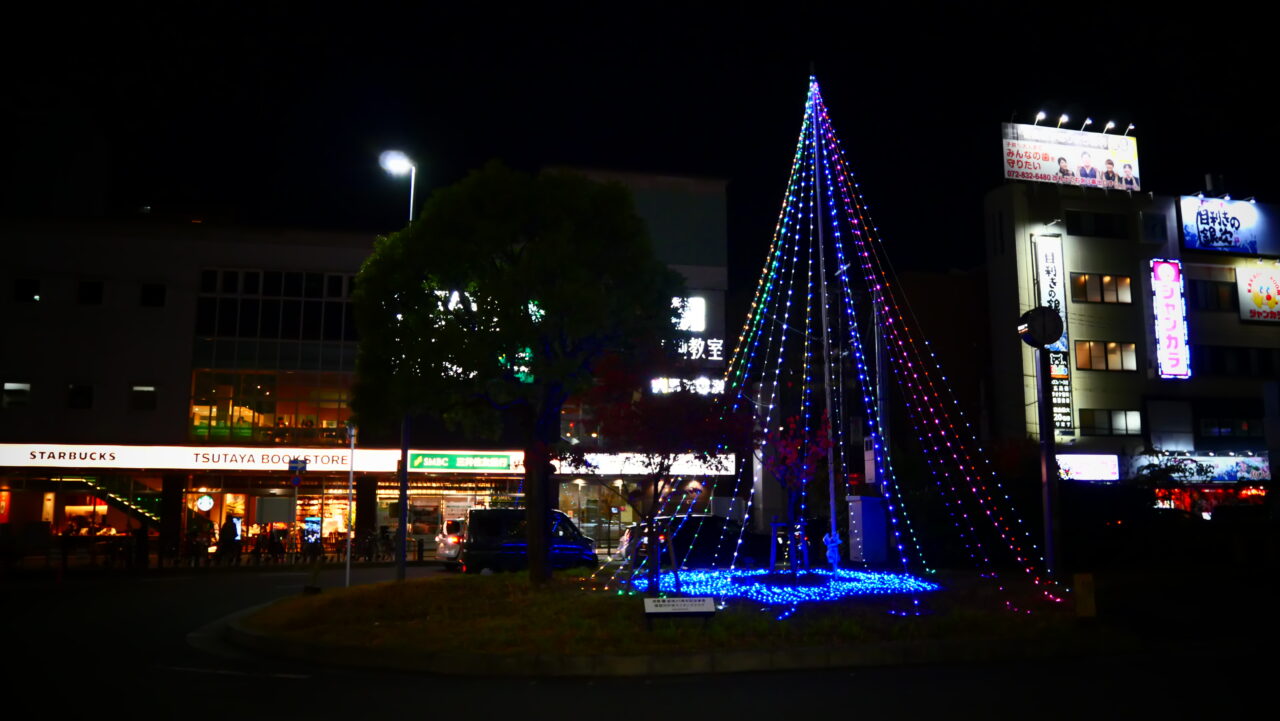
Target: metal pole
(1048,460)
(351,483)
(826,355)
(402,533)
(413,177)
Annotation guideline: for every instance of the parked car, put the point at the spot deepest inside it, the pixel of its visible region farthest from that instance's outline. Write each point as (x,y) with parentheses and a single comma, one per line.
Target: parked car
(700,541)
(495,539)
(449,543)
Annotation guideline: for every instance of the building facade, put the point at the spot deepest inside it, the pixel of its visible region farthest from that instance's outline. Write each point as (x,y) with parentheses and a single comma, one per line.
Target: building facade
(1164,359)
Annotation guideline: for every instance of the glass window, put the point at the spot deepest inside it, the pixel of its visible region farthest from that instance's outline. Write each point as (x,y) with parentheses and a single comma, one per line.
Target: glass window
(1097,353)
(16,395)
(152,295)
(89,292)
(292,285)
(202,355)
(1094,292)
(1079,283)
(333,286)
(206,316)
(333,320)
(1113,355)
(1133,421)
(79,396)
(315,285)
(248,318)
(1124,290)
(1109,355)
(1109,289)
(227,314)
(1130,353)
(312,320)
(142,398)
(349,322)
(290,319)
(252,280)
(270,319)
(208,281)
(271,283)
(230,281)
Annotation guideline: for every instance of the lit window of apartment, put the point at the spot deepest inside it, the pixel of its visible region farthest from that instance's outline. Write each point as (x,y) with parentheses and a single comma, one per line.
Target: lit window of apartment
(1098,288)
(1096,422)
(1097,355)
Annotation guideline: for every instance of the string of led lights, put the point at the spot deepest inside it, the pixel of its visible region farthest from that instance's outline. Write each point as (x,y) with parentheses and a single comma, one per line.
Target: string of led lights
(911,364)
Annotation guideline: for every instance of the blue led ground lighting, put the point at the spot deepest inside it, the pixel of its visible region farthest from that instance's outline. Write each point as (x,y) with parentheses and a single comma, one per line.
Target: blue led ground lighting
(840,584)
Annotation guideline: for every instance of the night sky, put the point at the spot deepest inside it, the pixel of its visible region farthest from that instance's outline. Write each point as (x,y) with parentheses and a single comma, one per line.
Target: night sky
(274,116)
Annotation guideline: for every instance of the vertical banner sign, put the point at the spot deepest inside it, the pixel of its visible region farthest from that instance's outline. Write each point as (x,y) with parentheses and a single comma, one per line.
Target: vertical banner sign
(1051,290)
(1173,356)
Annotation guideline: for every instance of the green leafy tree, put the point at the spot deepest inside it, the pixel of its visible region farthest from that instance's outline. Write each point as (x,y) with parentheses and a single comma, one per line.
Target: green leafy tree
(493,307)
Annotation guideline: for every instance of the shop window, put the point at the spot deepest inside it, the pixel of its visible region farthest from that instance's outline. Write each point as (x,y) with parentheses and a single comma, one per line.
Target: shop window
(79,396)
(1095,422)
(1098,288)
(152,295)
(142,398)
(1106,356)
(89,292)
(16,395)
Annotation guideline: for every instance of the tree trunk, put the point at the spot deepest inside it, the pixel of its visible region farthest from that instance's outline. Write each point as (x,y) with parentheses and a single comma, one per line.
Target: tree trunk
(655,546)
(539,484)
(537,512)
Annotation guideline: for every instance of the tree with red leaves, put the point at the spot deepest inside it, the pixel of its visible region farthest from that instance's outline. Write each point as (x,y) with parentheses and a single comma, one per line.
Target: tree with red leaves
(793,462)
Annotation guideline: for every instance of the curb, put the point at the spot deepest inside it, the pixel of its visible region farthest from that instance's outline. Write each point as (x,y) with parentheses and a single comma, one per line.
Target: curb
(887,653)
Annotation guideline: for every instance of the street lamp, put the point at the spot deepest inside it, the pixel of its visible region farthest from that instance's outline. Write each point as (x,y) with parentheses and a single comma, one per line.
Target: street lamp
(1087,123)
(1062,119)
(397,163)
(1039,116)
(1126,130)
(1110,124)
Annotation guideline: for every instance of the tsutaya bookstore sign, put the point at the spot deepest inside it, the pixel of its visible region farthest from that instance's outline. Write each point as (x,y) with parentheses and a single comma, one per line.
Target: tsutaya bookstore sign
(1173,354)
(1051,290)
(319,460)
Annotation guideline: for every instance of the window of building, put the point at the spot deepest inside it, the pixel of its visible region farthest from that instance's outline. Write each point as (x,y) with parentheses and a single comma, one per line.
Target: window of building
(1211,360)
(252,282)
(89,292)
(26,290)
(142,398)
(152,295)
(1097,422)
(1231,427)
(1212,295)
(296,407)
(230,281)
(1097,225)
(1100,355)
(1155,228)
(208,281)
(1098,288)
(16,395)
(79,396)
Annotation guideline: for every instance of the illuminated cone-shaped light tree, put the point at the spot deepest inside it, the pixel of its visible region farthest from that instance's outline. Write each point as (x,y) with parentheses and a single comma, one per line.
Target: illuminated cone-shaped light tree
(801,361)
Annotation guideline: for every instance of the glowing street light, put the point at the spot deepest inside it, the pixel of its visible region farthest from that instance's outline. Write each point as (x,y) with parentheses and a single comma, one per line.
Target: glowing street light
(1110,124)
(1126,130)
(1040,116)
(397,163)
(1087,123)
(1062,119)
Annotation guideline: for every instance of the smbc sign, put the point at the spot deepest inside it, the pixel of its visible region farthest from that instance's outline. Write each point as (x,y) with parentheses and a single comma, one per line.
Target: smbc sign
(460,462)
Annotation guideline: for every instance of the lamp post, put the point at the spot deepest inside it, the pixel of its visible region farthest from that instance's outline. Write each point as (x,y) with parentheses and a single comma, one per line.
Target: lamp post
(397,163)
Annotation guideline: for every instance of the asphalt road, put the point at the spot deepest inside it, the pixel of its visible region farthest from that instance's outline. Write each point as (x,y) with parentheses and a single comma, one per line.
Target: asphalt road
(109,646)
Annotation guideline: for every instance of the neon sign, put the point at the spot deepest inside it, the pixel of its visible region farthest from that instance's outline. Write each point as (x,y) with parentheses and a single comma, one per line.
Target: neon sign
(1173,355)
